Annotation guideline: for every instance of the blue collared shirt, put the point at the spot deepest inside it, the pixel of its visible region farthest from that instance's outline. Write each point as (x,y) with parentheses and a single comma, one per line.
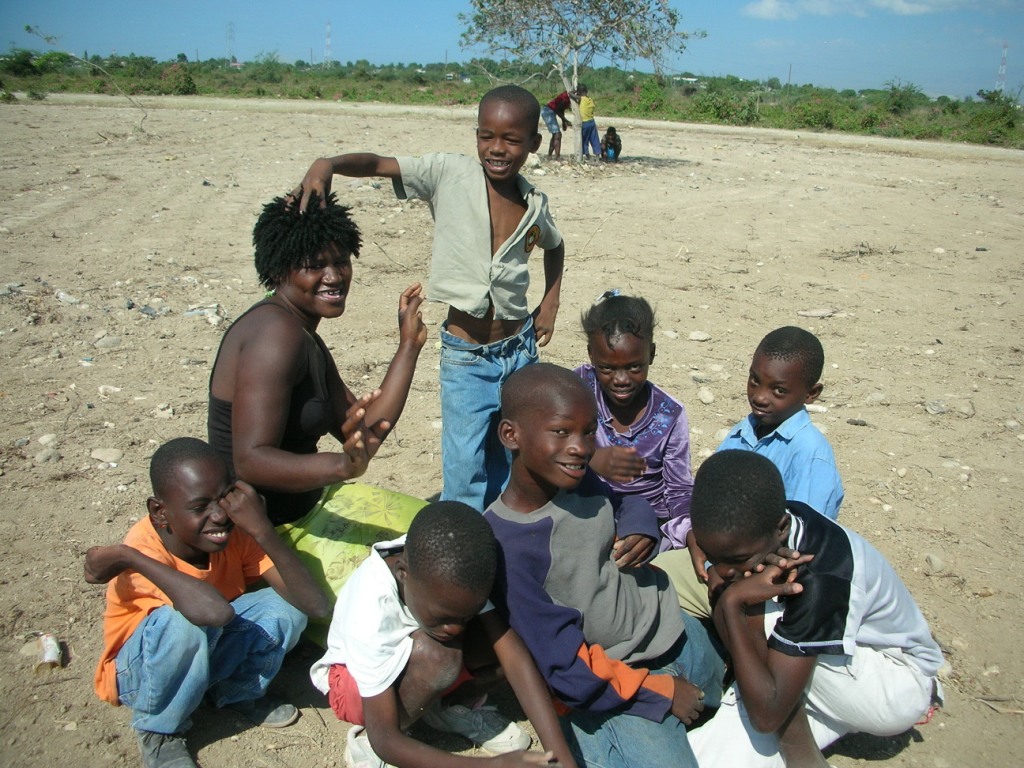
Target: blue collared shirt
(803,456)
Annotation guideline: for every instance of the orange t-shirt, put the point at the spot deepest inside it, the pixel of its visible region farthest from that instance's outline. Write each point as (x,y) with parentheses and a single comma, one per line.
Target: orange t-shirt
(131,597)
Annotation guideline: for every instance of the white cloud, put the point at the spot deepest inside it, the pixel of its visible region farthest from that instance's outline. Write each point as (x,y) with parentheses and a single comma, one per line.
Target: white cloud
(787,10)
(772,10)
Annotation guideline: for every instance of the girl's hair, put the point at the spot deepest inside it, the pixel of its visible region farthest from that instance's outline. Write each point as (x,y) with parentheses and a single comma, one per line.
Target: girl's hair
(614,315)
(286,240)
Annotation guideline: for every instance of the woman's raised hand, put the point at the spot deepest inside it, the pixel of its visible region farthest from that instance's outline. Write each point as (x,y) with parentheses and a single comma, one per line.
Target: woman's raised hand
(410,319)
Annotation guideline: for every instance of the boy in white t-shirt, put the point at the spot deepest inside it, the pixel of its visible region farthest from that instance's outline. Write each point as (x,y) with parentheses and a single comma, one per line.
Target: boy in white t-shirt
(847,648)
(413,635)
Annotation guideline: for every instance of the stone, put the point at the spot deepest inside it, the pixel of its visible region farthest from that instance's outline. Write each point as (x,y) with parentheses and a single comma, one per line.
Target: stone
(48,456)
(108,342)
(705,395)
(107,455)
(965,408)
(699,336)
(163,411)
(47,440)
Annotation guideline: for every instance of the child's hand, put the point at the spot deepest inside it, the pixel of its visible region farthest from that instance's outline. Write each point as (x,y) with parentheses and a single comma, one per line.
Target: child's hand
(785,558)
(410,319)
(104,563)
(697,557)
(513,759)
(245,508)
(687,700)
(544,321)
(766,584)
(633,550)
(317,179)
(618,464)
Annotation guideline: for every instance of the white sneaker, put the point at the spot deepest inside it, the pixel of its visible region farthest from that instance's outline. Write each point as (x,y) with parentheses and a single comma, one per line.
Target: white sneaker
(484,726)
(359,753)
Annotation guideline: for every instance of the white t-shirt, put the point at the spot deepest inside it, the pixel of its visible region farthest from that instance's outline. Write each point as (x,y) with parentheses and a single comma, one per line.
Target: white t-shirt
(371,631)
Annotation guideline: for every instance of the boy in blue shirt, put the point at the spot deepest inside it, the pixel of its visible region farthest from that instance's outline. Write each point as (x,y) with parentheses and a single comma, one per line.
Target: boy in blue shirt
(784,377)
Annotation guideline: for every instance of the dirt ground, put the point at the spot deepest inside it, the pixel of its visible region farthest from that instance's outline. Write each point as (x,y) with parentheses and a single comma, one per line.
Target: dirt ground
(125,252)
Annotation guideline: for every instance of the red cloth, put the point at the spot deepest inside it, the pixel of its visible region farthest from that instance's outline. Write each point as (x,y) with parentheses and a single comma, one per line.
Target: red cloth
(560,103)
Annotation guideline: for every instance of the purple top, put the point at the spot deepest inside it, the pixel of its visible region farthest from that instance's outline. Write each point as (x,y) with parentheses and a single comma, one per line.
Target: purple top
(661,437)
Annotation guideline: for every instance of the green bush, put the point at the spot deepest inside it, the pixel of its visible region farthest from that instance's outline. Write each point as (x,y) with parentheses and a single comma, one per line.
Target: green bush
(177,81)
(717,107)
(821,114)
(20,64)
(650,96)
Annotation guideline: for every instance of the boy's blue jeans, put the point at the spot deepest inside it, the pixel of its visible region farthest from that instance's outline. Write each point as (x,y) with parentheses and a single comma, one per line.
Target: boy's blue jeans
(618,740)
(169,663)
(475,463)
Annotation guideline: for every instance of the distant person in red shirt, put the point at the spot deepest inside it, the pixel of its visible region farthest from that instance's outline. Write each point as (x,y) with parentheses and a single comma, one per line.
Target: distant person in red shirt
(551,113)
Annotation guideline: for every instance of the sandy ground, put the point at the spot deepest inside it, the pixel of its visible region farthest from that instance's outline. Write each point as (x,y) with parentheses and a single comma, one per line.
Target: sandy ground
(125,252)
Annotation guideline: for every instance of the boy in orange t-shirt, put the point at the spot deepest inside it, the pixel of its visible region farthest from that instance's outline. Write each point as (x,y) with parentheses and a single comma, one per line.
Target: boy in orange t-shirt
(178,622)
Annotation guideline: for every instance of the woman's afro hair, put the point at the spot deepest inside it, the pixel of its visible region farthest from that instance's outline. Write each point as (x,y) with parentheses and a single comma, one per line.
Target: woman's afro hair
(286,240)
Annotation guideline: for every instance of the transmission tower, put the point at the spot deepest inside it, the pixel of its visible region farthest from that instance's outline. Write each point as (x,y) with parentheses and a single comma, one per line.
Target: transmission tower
(231,41)
(327,46)
(1001,77)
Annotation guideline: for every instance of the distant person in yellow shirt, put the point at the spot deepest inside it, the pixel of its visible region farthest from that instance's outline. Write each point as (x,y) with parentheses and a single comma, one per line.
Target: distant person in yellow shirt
(588,124)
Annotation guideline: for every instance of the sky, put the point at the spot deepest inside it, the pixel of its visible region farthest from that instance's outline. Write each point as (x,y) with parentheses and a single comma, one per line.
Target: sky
(944,47)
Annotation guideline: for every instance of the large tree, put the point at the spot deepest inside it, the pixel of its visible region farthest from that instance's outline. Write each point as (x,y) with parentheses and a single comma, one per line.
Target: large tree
(567,34)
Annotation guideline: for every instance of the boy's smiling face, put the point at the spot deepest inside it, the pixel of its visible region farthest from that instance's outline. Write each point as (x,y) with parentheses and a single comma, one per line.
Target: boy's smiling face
(187,514)
(504,139)
(777,389)
(553,441)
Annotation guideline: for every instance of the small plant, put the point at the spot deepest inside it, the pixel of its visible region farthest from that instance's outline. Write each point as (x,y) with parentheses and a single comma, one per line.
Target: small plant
(36,95)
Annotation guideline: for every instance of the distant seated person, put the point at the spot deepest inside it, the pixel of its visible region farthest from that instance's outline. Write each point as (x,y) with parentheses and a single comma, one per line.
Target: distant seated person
(179,624)
(611,146)
(275,391)
(413,637)
(847,648)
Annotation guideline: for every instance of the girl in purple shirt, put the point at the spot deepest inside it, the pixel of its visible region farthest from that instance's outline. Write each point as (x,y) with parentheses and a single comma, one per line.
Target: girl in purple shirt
(643,436)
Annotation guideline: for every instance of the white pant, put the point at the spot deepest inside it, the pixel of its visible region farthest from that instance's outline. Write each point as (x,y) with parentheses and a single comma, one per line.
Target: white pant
(876,691)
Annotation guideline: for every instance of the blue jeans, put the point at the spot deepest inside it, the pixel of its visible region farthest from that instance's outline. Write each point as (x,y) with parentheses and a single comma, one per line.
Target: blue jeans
(590,140)
(620,740)
(475,463)
(168,663)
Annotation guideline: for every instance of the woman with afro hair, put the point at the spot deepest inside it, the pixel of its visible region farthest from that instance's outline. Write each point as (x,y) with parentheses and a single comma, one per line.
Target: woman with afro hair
(275,391)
